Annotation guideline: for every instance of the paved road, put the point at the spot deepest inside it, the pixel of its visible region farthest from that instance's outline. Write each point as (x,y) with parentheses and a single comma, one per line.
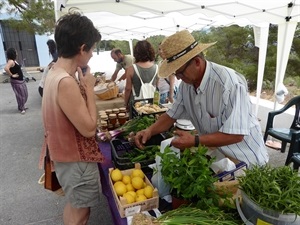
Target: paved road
(22,200)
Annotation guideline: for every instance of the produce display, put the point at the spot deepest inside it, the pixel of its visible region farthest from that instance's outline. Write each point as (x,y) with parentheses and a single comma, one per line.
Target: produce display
(189,175)
(132,187)
(148,108)
(136,124)
(275,188)
(188,215)
(137,155)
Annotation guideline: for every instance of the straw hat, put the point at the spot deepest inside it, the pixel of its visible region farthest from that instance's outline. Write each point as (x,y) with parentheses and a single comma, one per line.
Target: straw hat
(178,49)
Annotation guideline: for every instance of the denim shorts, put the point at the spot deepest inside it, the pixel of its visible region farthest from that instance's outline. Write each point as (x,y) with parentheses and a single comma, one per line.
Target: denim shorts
(80,182)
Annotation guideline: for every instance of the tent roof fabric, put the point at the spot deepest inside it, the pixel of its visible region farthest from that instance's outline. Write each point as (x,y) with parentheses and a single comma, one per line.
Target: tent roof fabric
(128,19)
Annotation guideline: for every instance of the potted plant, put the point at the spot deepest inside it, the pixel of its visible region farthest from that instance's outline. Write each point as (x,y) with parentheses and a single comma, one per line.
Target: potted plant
(189,175)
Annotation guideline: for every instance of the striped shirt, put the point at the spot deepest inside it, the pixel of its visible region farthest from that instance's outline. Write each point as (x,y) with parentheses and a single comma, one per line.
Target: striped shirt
(221,103)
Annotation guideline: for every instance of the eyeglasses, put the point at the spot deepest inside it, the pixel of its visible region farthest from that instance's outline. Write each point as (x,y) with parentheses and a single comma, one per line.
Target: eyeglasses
(181,73)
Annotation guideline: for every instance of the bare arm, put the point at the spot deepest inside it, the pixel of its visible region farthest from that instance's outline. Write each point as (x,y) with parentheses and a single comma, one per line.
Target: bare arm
(185,139)
(128,87)
(115,74)
(163,123)
(10,63)
(82,114)
(123,77)
(171,91)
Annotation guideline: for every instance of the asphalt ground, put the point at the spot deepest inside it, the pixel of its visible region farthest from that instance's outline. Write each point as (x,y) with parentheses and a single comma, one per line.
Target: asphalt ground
(22,200)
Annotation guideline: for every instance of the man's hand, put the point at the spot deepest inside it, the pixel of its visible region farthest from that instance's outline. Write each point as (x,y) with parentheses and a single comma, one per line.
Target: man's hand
(142,137)
(183,140)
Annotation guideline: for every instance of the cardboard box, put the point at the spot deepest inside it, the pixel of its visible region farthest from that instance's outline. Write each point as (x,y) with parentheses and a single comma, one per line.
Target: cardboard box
(130,209)
(228,182)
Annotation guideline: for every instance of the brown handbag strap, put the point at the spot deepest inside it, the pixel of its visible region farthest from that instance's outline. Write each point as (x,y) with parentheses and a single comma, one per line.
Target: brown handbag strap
(47,157)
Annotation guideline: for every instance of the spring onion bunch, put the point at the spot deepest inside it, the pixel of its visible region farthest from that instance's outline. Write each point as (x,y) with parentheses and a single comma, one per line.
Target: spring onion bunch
(189,215)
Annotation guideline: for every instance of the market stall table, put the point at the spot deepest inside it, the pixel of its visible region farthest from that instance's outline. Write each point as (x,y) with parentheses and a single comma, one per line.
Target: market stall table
(103,168)
(109,104)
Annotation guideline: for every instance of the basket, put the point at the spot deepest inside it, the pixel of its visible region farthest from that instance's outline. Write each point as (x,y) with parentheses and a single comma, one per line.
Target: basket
(251,213)
(109,93)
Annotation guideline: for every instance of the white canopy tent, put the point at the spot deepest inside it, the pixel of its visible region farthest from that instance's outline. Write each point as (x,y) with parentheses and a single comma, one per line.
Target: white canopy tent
(139,19)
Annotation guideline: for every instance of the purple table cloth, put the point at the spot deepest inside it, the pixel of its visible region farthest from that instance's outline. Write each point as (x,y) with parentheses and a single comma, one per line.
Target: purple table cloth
(103,168)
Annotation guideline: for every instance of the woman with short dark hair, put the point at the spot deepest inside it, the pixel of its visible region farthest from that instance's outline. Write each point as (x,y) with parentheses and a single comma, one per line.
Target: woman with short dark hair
(18,84)
(70,117)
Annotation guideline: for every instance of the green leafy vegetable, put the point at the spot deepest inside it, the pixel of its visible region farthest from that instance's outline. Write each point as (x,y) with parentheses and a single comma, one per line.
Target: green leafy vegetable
(137,124)
(275,188)
(192,215)
(137,155)
(189,175)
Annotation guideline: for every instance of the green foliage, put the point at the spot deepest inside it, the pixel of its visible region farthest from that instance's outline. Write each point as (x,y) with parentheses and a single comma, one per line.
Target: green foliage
(189,175)
(35,16)
(195,216)
(276,188)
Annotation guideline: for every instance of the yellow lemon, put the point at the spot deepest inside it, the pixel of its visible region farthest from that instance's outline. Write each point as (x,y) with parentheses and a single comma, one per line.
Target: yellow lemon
(141,198)
(116,175)
(137,173)
(137,182)
(144,185)
(148,191)
(126,179)
(132,193)
(130,187)
(129,198)
(120,189)
(117,183)
(140,192)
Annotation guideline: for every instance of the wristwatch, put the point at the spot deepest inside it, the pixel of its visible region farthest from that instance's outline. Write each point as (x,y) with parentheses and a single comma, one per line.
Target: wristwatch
(197,142)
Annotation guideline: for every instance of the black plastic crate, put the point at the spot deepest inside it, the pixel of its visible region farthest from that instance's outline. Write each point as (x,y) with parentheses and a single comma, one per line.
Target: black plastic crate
(119,147)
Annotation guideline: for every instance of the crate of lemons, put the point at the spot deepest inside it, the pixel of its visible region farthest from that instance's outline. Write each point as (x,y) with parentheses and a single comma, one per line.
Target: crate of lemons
(132,188)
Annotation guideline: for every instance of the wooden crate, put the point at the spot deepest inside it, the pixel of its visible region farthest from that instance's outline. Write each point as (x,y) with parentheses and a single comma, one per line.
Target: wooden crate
(130,209)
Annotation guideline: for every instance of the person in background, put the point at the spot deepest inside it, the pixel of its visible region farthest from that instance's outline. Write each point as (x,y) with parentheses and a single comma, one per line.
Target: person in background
(166,86)
(214,98)
(17,81)
(53,52)
(123,62)
(70,117)
(144,55)
(52,49)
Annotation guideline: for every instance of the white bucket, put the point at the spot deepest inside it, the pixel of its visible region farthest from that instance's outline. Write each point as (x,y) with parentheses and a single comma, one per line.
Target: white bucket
(252,214)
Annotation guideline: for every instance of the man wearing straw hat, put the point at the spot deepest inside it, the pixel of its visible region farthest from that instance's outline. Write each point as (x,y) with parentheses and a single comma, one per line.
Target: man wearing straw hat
(214,98)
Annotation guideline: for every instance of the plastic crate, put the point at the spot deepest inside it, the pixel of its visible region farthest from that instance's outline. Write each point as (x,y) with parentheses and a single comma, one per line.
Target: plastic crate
(233,174)
(119,147)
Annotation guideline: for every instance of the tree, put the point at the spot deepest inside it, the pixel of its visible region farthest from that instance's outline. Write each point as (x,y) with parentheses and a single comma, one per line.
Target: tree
(34,16)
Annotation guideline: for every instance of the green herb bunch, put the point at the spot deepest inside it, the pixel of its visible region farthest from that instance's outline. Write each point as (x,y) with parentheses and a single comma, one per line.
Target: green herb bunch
(275,188)
(189,175)
(137,155)
(195,216)
(137,124)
